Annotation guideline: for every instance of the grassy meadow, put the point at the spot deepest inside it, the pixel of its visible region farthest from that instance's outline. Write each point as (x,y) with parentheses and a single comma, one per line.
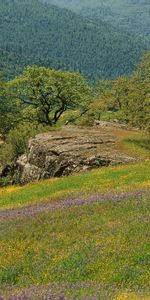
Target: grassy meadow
(100,247)
(91,250)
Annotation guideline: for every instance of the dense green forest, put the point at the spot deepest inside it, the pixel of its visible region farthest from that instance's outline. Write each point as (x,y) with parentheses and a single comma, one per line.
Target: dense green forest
(12,62)
(44,35)
(132,16)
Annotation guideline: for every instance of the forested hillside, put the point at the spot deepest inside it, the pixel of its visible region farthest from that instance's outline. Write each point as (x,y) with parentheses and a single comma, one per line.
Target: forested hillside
(132,16)
(12,62)
(41,34)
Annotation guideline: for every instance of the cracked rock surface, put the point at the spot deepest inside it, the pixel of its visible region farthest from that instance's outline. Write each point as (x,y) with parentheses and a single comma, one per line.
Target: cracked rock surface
(67,151)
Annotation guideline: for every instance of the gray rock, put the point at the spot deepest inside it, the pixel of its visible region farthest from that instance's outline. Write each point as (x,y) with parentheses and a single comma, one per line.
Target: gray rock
(69,150)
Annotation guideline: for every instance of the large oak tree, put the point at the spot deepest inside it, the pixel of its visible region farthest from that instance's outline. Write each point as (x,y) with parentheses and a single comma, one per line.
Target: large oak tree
(49,93)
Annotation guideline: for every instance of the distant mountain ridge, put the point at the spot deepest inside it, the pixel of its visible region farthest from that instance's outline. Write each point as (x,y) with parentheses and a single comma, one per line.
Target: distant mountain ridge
(132,16)
(42,34)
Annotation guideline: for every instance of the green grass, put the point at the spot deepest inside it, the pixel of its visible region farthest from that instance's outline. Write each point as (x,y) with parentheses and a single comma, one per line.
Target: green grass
(96,250)
(141,145)
(117,179)
(102,243)
(134,143)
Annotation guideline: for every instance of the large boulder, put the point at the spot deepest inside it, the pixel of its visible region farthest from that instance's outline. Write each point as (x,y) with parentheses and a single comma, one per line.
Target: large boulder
(69,150)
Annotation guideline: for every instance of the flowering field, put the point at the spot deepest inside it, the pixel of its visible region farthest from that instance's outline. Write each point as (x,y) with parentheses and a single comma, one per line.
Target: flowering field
(97,247)
(59,243)
(115,179)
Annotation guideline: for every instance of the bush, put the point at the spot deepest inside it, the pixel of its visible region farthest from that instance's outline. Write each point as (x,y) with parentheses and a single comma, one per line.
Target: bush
(16,142)
(14,146)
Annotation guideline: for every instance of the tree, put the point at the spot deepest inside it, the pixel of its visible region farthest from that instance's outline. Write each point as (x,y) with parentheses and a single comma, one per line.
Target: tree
(129,98)
(141,83)
(9,108)
(49,93)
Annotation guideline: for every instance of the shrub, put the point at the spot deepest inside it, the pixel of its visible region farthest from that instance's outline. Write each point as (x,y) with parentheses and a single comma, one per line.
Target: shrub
(16,142)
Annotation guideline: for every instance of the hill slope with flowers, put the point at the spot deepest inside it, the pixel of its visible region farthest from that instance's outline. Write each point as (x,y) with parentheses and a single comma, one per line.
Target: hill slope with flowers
(81,236)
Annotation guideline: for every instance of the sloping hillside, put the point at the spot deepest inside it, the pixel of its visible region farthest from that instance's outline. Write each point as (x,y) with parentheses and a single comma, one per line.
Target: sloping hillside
(50,36)
(83,246)
(132,16)
(84,236)
(12,63)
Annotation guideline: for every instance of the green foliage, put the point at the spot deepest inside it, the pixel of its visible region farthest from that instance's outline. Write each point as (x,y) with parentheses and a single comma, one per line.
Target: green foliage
(16,142)
(49,93)
(13,62)
(60,39)
(9,108)
(129,98)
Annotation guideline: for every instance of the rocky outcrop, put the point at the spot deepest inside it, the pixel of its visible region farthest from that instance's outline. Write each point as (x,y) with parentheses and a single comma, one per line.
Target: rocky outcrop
(69,150)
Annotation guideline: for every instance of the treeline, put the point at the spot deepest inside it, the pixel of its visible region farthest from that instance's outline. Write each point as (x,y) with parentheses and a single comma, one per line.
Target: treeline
(42,95)
(44,35)
(127,99)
